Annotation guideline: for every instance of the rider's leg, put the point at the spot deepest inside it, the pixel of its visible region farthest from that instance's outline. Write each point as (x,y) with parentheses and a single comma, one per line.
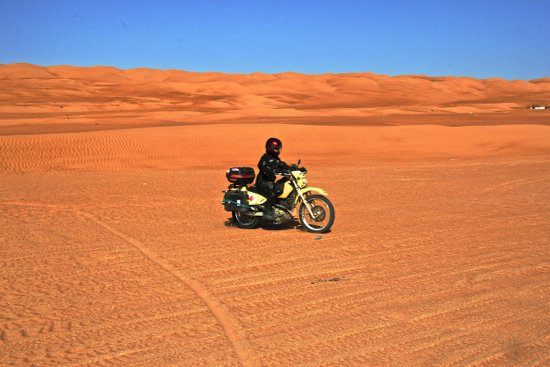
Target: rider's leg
(269,213)
(268,189)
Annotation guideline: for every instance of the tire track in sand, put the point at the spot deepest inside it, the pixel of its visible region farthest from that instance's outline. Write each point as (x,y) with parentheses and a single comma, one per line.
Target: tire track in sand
(216,308)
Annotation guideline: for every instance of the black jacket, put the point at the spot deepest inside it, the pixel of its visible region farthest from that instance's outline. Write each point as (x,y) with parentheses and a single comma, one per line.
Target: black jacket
(268,165)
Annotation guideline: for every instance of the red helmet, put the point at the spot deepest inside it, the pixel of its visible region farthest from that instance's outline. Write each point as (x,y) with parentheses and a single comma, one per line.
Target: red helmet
(273,146)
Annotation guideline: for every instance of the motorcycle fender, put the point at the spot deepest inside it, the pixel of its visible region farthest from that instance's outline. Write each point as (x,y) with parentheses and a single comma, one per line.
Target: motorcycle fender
(315,189)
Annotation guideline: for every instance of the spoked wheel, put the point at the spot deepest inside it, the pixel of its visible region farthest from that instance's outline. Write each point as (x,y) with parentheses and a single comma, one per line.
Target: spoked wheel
(246,220)
(323,214)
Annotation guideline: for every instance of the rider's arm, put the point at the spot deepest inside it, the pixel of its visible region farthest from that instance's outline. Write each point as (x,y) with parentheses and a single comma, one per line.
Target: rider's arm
(282,166)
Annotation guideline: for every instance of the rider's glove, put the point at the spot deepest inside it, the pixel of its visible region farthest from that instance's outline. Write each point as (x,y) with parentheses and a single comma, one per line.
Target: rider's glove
(293,167)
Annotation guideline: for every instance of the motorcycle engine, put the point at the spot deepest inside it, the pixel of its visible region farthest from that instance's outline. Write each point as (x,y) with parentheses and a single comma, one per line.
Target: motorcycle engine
(281,216)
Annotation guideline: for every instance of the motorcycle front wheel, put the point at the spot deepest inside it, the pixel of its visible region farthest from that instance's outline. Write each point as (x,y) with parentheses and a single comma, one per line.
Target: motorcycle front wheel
(323,214)
(244,221)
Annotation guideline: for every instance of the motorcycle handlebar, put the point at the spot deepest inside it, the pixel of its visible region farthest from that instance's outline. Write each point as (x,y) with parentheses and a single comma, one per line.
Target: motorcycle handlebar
(293,167)
(288,173)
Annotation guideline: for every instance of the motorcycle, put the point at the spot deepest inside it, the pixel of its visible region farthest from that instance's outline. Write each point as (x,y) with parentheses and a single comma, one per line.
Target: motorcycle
(245,202)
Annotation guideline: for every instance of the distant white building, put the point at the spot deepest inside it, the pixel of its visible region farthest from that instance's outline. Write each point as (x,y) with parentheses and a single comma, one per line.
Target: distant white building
(538,108)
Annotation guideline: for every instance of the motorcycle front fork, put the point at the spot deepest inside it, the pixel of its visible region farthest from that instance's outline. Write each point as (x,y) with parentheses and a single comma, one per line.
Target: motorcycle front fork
(303,199)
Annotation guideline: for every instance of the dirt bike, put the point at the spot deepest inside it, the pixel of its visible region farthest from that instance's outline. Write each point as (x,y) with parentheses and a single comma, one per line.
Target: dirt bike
(244,200)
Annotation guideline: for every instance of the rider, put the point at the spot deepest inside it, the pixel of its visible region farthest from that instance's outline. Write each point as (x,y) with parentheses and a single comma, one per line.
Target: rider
(269,165)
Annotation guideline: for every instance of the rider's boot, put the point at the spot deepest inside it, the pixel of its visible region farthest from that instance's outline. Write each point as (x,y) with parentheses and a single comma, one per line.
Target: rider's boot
(269,214)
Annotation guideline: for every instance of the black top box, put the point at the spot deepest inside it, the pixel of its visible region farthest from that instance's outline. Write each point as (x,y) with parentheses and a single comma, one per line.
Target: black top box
(241,176)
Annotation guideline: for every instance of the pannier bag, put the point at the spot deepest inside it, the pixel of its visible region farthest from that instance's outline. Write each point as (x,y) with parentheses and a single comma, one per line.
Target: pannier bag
(241,176)
(235,201)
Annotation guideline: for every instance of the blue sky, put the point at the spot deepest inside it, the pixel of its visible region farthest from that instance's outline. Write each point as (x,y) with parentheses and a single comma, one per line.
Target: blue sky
(509,39)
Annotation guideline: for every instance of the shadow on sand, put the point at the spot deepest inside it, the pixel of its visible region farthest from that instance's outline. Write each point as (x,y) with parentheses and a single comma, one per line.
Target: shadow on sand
(268,226)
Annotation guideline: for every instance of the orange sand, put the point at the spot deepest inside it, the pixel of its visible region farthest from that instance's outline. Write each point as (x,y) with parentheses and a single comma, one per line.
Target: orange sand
(115,248)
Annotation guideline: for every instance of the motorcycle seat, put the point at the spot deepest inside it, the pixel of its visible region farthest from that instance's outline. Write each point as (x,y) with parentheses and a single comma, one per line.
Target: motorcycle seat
(253,189)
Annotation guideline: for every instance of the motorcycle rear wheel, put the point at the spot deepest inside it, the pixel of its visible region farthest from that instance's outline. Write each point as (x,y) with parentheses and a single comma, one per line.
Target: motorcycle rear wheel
(323,212)
(245,221)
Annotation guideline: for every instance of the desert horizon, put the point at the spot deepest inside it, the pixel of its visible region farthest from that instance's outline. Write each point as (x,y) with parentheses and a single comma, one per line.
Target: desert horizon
(115,248)
(37,98)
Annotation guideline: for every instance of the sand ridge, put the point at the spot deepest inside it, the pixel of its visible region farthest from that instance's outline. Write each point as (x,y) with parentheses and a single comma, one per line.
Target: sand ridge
(218,146)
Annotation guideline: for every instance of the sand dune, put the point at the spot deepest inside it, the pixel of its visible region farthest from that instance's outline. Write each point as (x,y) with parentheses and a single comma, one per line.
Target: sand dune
(46,97)
(115,248)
